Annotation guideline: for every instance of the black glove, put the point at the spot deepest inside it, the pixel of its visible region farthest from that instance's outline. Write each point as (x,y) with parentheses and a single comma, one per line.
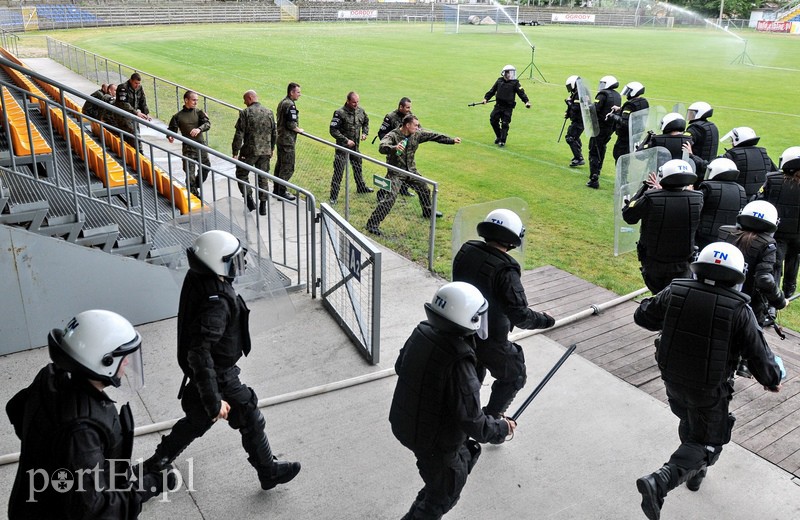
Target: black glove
(781,304)
(549,321)
(152,484)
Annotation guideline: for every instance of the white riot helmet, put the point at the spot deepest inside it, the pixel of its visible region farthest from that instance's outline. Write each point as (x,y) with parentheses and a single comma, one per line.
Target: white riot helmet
(509,72)
(502,226)
(572,83)
(790,160)
(220,252)
(699,110)
(722,169)
(758,215)
(94,344)
(676,173)
(720,262)
(608,82)
(742,136)
(458,307)
(673,122)
(633,89)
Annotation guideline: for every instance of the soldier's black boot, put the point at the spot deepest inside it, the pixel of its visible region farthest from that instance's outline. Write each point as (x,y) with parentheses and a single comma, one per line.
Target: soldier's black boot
(743,370)
(694,483)
(594,181)
(278,472)
(251,204)
(654,488)
(160,460)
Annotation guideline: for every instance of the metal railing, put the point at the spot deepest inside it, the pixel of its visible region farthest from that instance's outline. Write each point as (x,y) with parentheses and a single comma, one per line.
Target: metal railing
(9,41)
(406,231)
(350,281)
(286,235)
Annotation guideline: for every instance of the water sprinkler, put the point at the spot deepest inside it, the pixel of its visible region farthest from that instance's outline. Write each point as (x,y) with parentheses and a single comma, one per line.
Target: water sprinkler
(743,58)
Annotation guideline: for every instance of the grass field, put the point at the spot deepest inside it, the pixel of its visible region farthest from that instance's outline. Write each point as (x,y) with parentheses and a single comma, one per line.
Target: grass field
(570,227)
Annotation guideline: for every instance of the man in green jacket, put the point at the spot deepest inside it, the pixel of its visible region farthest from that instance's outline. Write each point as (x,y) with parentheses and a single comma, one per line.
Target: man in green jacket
(253,144)
(400,146)
(349,125)
(288,128)
(192,123)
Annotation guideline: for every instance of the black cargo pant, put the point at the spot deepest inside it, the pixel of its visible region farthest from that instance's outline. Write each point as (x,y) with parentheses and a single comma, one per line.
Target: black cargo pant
(573,139)
(500,119)
(243,416)
(444,474)
(506,362)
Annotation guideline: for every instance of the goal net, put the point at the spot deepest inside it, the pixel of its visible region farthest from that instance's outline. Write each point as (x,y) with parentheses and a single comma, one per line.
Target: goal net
(480,18)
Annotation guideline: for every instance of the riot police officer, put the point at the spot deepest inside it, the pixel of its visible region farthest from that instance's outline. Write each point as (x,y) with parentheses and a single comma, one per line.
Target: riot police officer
(723,199)
(606,98)
(704,133)
(506,88)
(213,335)
(72,435)
(488,266)
(436,411)
(575,129)
(782,189)
(633,92)
(670,215)
(672,136)
(752,161)
(706,325)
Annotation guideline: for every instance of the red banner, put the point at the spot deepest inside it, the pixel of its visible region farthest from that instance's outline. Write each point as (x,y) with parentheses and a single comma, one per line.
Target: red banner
(771,26)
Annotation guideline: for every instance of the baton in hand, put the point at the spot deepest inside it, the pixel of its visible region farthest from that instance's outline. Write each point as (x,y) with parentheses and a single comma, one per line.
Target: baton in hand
(481,103)
(562,130)
(544,381)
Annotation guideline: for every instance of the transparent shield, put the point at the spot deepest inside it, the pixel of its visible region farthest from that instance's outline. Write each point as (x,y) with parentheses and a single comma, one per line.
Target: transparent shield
(467,219)
(632,170)
(590,125)
(642,121)
(260,278)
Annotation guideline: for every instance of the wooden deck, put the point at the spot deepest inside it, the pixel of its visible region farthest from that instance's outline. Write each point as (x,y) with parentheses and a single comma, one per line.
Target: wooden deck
(767,424)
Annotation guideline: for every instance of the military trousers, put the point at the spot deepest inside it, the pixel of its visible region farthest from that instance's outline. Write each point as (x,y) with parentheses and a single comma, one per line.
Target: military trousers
(339,164)
(284,165)
(260,162)
(386,199)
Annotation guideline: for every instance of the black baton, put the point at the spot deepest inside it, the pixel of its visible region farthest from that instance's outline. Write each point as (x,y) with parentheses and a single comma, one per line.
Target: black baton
(544,381)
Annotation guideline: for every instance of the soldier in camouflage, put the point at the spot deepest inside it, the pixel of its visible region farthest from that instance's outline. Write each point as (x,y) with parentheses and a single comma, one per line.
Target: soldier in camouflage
(391,121)
(131,98)
(192,123)
(253,144)
(349,125)
(288,128)
(400,146)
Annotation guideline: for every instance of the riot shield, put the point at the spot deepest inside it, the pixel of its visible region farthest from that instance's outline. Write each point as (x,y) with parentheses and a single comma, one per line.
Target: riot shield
(260,279)
(643,121)
(591,127)
(467,219)
(632,170)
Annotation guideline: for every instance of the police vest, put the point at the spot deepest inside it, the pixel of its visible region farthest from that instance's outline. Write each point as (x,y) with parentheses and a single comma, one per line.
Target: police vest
(697,333)
(784,194)
(574,110)
(753,164)
(611,99)
(235,341)
(419,414)
(630,106)
(480,264)
(668,229)
(754,252)
(506,93)
(673,143)
(706,139)
(56,404)
(723,202)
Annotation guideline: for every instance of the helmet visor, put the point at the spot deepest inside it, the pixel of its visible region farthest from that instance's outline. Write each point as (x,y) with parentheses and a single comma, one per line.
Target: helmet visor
(483,317)
(131,370)
(235,262)
(510,73)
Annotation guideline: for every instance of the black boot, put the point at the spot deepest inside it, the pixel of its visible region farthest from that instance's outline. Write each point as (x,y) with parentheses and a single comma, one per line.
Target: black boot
(278,472)
(694,483)
(653,488)
(262,207)
(251,204)
(594,182)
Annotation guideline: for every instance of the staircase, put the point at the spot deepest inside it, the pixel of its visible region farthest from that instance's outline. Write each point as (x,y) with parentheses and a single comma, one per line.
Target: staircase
(111,244)
(790,14)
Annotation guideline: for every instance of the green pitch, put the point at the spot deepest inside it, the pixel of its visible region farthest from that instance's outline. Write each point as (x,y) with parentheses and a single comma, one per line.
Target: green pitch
(571,226)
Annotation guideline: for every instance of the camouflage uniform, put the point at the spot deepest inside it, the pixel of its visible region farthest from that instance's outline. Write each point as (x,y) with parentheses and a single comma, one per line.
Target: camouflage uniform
(185,121)
(254,142)
(348,124)
(391,121)
(130,100)
(95,109)
(288,119)
(404,161)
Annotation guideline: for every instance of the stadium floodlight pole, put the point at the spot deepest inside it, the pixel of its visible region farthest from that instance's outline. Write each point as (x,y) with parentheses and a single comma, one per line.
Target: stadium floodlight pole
(531,66)
(543,382)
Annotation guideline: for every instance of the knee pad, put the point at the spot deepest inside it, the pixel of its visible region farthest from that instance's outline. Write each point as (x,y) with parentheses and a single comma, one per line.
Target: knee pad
(569,139)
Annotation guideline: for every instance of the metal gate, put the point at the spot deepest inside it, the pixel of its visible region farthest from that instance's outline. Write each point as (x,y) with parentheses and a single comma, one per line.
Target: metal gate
(350,281)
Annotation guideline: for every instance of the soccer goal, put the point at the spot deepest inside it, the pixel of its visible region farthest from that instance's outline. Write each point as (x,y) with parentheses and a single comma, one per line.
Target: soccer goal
(480,18)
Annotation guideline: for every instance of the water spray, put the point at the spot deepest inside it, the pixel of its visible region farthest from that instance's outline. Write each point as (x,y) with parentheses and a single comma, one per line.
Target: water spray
(530,66)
